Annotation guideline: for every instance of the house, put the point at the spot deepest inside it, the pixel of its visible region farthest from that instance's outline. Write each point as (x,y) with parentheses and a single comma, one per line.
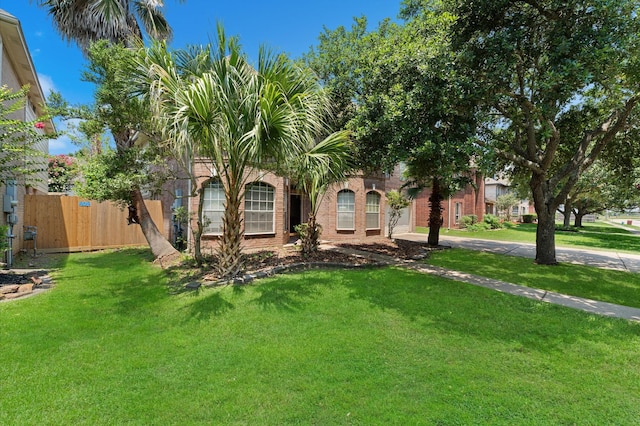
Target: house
(351,210)
(17,70)
(466,202)
(496,187)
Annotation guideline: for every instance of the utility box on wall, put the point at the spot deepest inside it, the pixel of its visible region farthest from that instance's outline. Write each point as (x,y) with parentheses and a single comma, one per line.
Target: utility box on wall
(7,206)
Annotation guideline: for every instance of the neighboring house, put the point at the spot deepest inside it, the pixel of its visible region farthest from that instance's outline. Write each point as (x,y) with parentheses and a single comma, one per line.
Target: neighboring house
(273,206)
(17,70)
(495,187)
(466,202)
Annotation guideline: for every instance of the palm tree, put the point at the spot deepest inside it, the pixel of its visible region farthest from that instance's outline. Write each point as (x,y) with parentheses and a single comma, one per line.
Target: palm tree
(117,21)
(85,21)
(214,103)
(321,165)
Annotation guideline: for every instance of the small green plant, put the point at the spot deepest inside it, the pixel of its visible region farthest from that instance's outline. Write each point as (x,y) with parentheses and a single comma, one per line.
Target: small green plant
(505,203)
(468,220)
(529,218)
(493,221)
(480,226)
(509,225)
(396,202)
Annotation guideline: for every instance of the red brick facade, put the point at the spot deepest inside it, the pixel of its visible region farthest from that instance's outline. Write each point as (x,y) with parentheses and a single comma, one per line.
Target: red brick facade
(469,201)
(291,208)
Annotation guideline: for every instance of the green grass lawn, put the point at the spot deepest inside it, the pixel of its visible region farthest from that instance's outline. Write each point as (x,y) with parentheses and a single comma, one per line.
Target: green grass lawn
(112,344)
(599,235)
(619,287)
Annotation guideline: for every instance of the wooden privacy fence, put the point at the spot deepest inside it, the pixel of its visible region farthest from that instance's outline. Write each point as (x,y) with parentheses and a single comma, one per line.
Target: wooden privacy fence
(67,223)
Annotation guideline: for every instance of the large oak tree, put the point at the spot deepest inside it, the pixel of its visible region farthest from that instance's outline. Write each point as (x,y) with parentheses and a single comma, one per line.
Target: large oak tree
(540,68)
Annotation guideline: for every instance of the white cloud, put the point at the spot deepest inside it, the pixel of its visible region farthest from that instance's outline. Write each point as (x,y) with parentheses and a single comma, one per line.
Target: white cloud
(64,143)
(47,84)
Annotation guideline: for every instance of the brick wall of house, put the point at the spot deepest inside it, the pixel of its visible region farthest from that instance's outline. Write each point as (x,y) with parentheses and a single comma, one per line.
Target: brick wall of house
(471,200)
(278,237)
(328,213)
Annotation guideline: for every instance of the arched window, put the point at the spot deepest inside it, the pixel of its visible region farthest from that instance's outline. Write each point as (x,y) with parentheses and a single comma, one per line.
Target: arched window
(346,210)
(213,207)
(373,210)
(259,208)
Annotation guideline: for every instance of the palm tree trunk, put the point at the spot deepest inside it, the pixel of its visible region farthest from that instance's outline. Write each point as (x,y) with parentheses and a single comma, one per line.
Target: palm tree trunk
(160,246)
(230,249)
(311,236)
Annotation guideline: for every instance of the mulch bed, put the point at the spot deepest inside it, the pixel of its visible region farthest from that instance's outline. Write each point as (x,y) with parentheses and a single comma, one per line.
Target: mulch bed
(400,249)
(281,258)
(11,278)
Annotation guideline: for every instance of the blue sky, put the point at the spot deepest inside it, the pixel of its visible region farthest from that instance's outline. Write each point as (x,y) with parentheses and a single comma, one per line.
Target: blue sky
(290,26)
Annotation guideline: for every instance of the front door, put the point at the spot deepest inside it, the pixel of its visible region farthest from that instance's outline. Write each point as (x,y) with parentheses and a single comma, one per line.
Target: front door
(295,212)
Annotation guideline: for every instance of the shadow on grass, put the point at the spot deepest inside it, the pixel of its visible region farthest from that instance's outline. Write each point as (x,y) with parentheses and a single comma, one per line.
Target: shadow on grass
(468,311)
(289,292)
(119,281)
(205,307)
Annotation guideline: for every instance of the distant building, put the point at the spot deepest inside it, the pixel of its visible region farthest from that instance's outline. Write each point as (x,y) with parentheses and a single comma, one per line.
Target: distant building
(466,202)
(496,187)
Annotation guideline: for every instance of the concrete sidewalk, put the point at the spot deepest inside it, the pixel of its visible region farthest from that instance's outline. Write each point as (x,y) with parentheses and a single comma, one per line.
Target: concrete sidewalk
(600,259)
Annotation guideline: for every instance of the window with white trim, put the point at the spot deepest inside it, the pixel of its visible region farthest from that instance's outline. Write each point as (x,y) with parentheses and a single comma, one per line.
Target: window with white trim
(373,210)
(259,212)
(458,212)
(213,207)
(346,210)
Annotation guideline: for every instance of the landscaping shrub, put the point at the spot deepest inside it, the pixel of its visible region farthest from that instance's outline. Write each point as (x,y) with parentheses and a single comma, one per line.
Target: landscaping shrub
(493,221)
(529,218)
(480,226)
(469,220)
(509,225)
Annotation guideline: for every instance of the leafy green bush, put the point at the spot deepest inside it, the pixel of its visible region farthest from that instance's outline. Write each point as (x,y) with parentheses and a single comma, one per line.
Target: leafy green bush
(493,221)
(469,220)
(480,226)
(509,225)
(529,218)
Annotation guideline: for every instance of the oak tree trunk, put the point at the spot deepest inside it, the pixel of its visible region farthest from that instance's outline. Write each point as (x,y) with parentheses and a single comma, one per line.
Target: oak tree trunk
(545,205)
(435,213)
(566,214)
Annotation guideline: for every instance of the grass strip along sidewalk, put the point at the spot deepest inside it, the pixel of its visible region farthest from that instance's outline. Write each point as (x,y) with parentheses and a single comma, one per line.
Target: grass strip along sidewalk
(618,287)
(111,344)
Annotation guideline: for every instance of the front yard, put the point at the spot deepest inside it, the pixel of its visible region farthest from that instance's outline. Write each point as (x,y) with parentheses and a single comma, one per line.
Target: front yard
(113,344)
